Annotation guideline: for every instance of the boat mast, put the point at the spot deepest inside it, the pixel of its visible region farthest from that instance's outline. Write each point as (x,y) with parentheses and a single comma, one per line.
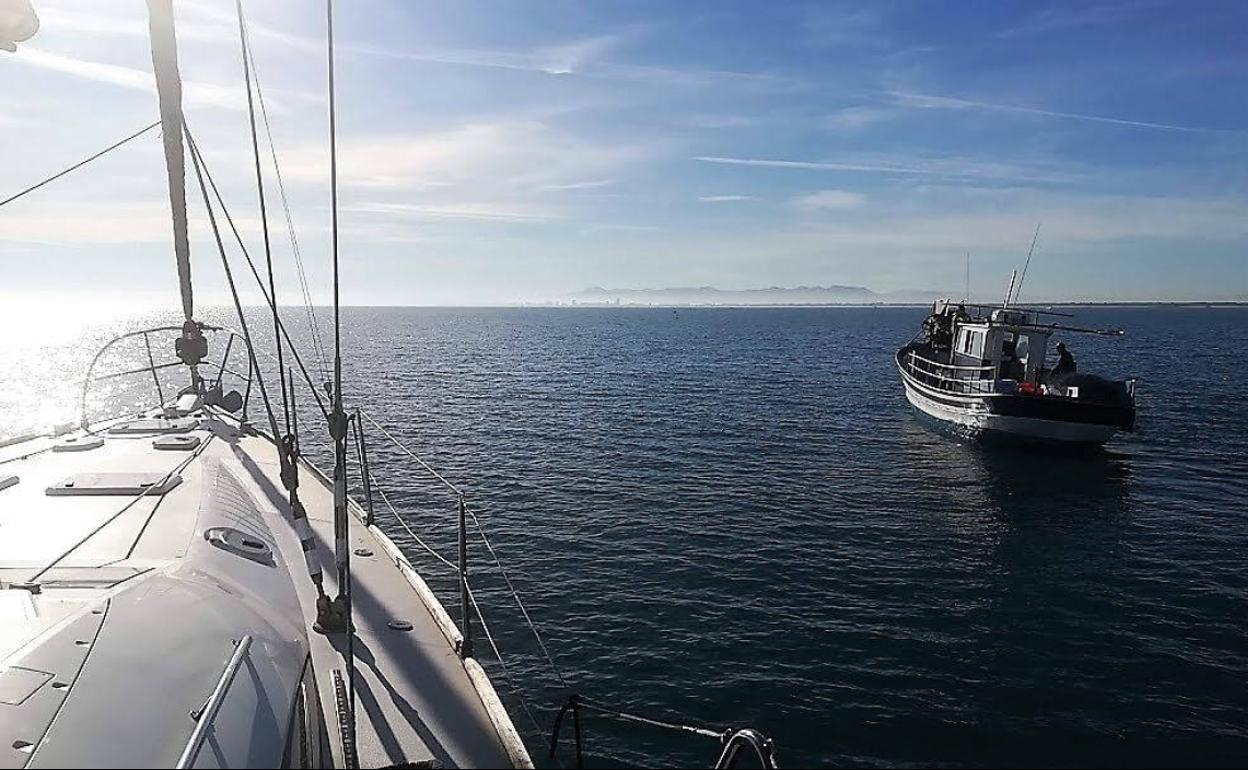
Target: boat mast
(191,347)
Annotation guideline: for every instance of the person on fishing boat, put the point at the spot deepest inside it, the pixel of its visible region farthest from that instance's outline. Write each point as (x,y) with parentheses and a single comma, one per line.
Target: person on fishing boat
(1066,365)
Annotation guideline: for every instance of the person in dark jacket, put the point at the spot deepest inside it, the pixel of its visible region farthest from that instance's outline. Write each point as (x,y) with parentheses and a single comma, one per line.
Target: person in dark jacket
(1066,365)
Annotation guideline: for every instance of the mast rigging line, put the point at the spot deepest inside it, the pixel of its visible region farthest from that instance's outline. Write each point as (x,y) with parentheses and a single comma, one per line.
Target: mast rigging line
(313,325)
(200,173)
(255,272)
(298,519)
(541,642)
(264,218)
(81,163)
(593,705)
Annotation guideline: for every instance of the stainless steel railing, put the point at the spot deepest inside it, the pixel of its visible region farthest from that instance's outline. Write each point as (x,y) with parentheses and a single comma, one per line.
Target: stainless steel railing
(205,715)
(222,367)
(951,377)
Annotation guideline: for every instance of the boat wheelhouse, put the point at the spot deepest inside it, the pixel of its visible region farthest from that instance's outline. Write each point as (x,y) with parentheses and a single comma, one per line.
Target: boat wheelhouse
(983,372)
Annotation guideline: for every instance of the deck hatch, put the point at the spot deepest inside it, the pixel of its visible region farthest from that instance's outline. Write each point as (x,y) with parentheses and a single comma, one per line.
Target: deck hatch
(155,425)
(100,484)
(8,481)
(17,684)
(177,443)
(78,444)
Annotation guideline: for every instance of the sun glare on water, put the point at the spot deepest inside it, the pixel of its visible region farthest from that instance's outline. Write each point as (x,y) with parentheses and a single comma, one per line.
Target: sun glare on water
(45,350)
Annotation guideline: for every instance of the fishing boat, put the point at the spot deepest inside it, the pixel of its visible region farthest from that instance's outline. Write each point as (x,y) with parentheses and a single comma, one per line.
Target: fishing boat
(982,372)
(182,587)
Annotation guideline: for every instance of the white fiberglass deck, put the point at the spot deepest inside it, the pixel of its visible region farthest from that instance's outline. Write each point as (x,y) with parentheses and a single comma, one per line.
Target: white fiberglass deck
(129,633)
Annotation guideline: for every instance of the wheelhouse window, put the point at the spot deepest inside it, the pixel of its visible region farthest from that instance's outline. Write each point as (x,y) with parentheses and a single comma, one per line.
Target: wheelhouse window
(972,343)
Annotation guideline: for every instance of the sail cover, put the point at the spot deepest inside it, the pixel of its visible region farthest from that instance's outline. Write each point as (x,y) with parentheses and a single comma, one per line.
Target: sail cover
(169,89)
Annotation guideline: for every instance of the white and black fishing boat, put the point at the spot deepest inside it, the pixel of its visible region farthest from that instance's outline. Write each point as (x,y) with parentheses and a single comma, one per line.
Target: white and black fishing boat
(182,587)
(982,372)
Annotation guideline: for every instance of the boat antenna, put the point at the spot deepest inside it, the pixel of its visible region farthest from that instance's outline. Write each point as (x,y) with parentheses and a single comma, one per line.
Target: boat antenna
(1018,289)
(191,347)
(966,295)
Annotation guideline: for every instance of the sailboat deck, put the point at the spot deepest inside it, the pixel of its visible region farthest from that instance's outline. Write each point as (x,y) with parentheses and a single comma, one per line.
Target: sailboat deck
(417,701)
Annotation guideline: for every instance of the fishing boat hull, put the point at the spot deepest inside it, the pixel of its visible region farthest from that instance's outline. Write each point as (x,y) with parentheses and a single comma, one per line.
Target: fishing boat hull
(1013,417)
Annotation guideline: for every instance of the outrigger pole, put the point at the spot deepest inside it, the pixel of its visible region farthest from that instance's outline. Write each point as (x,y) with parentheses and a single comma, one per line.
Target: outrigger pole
(1018,289)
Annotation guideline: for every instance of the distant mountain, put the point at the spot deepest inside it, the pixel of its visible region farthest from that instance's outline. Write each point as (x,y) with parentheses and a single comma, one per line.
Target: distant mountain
(774,295)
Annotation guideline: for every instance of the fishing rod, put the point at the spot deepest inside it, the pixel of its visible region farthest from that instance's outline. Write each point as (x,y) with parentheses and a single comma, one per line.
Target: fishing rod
(1026,265)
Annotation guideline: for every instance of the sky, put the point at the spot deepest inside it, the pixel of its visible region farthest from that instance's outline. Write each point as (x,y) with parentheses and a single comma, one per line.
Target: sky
(509,151)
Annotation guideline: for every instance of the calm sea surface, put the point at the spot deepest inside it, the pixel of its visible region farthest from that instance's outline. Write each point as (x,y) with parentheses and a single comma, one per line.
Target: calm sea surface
(731,518)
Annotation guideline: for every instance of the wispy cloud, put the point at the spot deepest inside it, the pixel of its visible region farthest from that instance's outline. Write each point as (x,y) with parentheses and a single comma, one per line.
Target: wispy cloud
(825,200)
(902,166)
(1093,14)
(570,58)
(499,155)
(858,117)
(89,222)
(724,198)
(489,212)
(827,25)
(592,184)
(195,93)
(933,101)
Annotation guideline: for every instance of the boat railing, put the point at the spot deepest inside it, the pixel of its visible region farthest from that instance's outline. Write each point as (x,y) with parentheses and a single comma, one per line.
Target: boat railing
(461,509)
(205,715)
(952,377)
(221,367)
(764,751)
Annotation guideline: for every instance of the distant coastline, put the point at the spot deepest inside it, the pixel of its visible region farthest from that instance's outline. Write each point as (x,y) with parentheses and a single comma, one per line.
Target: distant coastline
(813,296)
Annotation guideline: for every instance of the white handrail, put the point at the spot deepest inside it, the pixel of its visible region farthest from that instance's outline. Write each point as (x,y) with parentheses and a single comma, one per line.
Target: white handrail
(914,356)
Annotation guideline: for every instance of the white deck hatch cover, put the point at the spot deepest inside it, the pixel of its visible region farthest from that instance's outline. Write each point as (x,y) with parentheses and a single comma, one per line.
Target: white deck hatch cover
(150,483)
(156,425)
(78,444)
(17,684)
(177,443)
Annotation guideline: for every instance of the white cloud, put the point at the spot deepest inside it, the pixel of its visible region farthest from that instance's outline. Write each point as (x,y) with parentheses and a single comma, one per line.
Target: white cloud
(824,200)
(856,118)
(96,222)
(474,210)
(932,101)
(194,93)
(724,198)
(592,184)
(482,156)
